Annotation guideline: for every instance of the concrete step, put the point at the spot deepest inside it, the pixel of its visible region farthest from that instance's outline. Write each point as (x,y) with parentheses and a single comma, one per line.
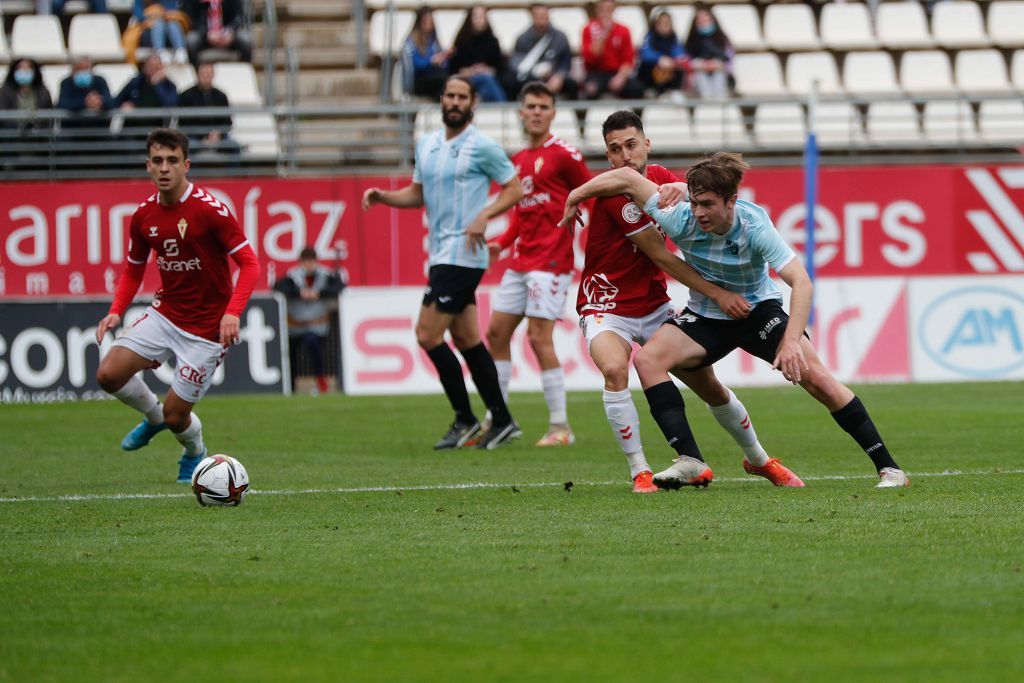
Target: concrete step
(332,86)
(316,58)
(314,9)
(324,34)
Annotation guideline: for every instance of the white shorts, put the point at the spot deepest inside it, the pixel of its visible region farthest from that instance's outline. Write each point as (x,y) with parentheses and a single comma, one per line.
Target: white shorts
(154,337)
(536,294)
(637,330)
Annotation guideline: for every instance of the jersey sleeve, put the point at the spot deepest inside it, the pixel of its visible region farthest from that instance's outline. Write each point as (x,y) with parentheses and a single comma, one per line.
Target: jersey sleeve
(495,163)
(416,165)
(576,171)
(673,220)
(228,232)
(767,242)
(626,216)
(138,248)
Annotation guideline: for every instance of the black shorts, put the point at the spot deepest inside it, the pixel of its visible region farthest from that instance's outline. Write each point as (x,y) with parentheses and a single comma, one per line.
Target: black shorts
(758,334)
(452,288)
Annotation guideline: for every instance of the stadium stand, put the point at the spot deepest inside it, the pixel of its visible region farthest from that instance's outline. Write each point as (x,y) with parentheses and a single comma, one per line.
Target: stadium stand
(903,26)
(718,126)
(40,38)
(958,24)
(847,27)
(981,72)
(96,36)
(1017,70)
(804,68)
(668,126)
(788,28)
(758,74)
(1006,23)
(949,122)
(779,124)
(5,53)
(1002,121)
(893,122)
(870,73)
(742,24)
(926,72)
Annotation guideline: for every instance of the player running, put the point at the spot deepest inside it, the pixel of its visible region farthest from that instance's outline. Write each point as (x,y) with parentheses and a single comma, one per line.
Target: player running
(537,283)
(195,313)
(623,298)
(732,241)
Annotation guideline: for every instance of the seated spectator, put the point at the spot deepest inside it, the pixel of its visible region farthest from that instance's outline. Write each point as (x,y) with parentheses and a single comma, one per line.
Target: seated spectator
(57,6)
(86,95)
(207,134)
(541,53)
(311,289)
(662,58)
(219,24)
(608,55)
(158,24)
(150,89)
(23,90)
(476,55)
(710,55)
(424,63)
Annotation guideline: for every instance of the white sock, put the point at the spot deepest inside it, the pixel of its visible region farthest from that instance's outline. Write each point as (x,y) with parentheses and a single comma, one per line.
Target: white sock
(192,437)
(554,393)
(734,419)
(625,422)
(136,394)
(504,376)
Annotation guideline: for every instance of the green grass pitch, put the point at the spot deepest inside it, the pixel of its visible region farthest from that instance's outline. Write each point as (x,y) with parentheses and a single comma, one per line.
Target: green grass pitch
(357,557)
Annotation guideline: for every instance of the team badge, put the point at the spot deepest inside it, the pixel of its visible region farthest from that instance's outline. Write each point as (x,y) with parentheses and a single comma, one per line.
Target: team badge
(631,213)
(537,165)
(153,230)
(182,227)
(527,184)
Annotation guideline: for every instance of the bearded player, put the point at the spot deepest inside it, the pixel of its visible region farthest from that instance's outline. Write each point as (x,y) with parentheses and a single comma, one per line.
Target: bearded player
(195,315)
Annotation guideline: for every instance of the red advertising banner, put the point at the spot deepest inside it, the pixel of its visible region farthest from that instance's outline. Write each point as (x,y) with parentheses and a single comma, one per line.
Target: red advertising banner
(69,238)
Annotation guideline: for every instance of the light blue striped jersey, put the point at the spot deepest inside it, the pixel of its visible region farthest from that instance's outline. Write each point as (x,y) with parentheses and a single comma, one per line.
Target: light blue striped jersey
(456,176)
(737,261)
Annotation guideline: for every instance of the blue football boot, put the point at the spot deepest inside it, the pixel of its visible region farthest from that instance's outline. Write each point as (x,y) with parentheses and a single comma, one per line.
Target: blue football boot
(187,465)
(141,435)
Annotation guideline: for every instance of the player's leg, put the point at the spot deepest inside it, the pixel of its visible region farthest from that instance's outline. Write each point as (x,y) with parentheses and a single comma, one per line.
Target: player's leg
(188,430)
(196,362)
(466,336)
(508,307)
(732,415)
(544,307)
(430,328)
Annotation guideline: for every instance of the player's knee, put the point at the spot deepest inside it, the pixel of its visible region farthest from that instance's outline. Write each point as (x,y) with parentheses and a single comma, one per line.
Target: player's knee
(426,340)
(177,420)
(616,377)
(109,380)
(540,341)
(647,362)
(495,339)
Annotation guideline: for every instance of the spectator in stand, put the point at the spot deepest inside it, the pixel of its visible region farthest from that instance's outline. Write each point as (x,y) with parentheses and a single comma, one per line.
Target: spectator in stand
(477,56)
(710,55)
(150,89)
(424,63)
(663,60)
(23,90)
(311,289)
(57,6)
(219,24)
(207,134)
(86,95)
(541,53)
(161,23)
(608,55)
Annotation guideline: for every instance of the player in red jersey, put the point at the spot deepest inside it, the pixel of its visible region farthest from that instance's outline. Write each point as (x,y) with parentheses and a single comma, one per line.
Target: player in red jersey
(537,283)
(623,299)
(195,313)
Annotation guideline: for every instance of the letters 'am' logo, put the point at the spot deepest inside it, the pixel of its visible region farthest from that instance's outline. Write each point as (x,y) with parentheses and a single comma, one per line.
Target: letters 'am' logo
(975,331)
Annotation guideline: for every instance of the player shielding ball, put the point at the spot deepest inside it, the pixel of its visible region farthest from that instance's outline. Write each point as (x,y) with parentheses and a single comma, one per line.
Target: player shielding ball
(732,242)
(195,315)
(537,283)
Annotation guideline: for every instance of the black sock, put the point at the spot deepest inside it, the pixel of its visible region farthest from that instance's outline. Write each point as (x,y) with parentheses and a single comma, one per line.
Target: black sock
(855,421)
(669,412)
(485,376)
(450,372)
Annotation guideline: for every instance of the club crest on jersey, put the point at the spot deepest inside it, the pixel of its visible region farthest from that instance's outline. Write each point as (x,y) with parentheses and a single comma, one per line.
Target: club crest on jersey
(182,227)
(153,230)
(527,184)
(631,213)
(537,165)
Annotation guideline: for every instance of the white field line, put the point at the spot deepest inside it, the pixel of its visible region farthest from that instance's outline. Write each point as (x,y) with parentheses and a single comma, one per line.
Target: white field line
(74,497)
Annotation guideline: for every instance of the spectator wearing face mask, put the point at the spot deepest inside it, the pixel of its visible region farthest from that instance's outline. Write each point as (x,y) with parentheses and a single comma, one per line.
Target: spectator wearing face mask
(86,95)
(710,55)
(23,90)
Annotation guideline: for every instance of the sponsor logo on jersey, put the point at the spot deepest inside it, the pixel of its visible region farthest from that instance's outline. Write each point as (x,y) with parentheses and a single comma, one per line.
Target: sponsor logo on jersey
(182,227)
(531,200)
(732,247)
(178,265)
(631,213)
(153,230)
(192,375)
(600,293)
(686,318)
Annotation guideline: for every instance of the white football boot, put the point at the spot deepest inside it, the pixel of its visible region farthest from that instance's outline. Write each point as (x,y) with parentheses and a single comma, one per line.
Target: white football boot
(892,478)
(684,471)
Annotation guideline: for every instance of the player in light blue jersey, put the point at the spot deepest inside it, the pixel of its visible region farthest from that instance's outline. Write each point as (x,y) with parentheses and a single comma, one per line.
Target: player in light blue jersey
(732,243)
(454,170)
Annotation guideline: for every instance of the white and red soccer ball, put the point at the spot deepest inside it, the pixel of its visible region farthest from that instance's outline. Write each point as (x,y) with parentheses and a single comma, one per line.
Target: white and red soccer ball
(220,480)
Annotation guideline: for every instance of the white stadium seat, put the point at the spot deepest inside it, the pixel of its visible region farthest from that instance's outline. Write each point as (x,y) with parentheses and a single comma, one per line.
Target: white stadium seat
(593,141)
(949,121)
(926,72)
(507,24)
(96,36)
(668,125)
(53,74)
(183,76)
(718,125)
(981,71)
(779,123)
(5,53)
(256,132)
(570,21)
(117,75)
(635,19)
(893,122)
(1002,121)
(566,126)
(837,124)
(1017,70)
(428,119)
(447,22)
(1006,23)
(740,23)
(958,24)
(378,32)
(38,37)
(790,27)
(847,27)
(682,18)
(803,68)
(501,124)
(903,26)
(870,73)
(238,81)
(758,74)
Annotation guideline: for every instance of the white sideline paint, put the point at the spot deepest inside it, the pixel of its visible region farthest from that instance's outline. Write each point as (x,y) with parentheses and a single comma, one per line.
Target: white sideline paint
(470,485)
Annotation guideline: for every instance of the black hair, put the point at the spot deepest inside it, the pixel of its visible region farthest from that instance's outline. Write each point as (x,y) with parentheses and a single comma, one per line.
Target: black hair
(623,118)
(37,78)
(536,88)
(167,137)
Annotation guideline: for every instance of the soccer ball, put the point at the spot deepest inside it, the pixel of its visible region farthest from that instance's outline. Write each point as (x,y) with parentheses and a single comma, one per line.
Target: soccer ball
(220,480)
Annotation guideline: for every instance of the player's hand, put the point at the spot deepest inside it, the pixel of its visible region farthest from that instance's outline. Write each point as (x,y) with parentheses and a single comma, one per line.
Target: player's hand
(229,325)
(671,194)
(494,252)
(475,238)
(790,360)
(572,213)
(733,304)
(106,325)
(371,197)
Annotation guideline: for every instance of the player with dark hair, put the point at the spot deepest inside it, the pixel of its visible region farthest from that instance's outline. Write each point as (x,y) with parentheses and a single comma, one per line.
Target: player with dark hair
(454,170)
(623,298)
(195,315)
(733,242)
(537,283)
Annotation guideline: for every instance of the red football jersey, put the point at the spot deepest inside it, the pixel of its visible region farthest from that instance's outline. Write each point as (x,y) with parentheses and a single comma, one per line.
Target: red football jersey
(192,241)
(617,277)
(548,174)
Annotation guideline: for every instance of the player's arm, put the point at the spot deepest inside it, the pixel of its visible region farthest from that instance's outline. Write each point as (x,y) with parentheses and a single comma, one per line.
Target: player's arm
(408,197)
(789,357)
(620,181)
(505,239)
(128,282)
(652,244)
(511,192)
(248,272)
